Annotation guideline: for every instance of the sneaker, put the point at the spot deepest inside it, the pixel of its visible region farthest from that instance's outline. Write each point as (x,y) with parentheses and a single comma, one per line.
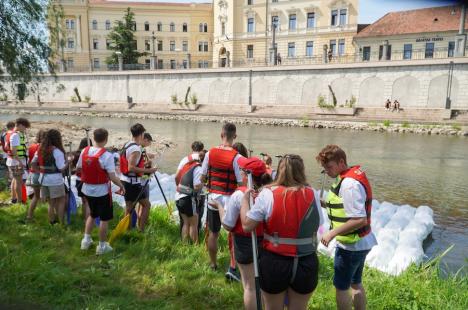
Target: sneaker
(214,267)
(86,243)
(232,275)
(103,249)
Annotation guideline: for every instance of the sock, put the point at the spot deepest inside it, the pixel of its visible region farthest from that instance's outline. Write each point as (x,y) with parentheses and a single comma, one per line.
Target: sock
(87,237)
(102,244)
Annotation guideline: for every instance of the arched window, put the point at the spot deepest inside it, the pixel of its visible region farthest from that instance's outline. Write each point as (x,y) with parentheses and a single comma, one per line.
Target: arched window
(108,25)
(200,27)
(146,26)
(205,27)
(184,27)
(94,24)
(159,26)
(172,27)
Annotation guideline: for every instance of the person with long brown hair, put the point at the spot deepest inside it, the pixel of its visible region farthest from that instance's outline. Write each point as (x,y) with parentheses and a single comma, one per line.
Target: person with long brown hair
(50,161)
(33,177)
(288,261)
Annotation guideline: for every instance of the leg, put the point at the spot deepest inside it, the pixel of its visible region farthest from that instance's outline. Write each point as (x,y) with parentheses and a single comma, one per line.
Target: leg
(298,301)
(34,201)
(248,283)
(18,179)
(60,203)
(85,208)
(359,296)
(274,301)
(103,231)
(144,214)
(343,300)
(185,227)
(213,247)
(193,228)
(232,261)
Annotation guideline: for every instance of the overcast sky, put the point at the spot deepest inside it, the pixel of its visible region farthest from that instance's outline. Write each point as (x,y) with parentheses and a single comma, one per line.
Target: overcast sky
(369,10)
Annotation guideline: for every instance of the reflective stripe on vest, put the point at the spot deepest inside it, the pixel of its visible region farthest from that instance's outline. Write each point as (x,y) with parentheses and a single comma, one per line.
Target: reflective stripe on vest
(185,178)
(335,208)
(221,176)
(292,227)
(21,149)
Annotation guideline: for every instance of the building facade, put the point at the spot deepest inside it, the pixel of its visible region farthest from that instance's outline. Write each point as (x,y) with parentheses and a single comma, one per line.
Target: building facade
(428,33)
(303,31)
(178,34)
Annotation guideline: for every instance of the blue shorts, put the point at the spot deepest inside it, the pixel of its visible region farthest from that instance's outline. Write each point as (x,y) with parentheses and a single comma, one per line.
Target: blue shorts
(348,267)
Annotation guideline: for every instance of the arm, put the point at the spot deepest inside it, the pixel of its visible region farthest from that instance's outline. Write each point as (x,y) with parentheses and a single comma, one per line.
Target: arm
(132,164)
(349,226)
(248,224)
(117,182)
(203,177)
(217,205)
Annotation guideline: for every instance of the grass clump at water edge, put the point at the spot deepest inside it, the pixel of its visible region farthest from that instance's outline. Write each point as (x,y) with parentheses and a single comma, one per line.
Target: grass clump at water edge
(42,266)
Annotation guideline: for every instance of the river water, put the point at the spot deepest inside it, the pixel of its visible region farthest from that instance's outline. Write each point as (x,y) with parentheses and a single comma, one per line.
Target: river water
(403,168)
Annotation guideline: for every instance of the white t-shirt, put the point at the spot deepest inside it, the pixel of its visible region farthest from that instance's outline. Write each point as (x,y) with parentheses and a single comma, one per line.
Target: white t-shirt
(106,161)
(263,207)
(232,209)
(219,197)
(197,173)
(52,179)
(354,203)
(128,152)
(195,156)
(15,142)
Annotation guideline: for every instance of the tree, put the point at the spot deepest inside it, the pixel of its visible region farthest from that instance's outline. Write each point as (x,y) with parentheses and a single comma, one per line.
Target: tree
(24,49)
(122,39)
(57,33)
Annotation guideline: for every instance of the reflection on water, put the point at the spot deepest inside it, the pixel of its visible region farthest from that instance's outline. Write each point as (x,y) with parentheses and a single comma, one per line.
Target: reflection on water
(403,168)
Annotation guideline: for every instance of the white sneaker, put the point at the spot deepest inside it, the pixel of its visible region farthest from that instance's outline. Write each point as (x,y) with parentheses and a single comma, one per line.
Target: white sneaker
(86,243)
(103,249)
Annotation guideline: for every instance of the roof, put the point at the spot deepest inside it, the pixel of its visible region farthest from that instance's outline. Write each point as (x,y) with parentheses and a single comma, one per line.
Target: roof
(435,19)
(131,3)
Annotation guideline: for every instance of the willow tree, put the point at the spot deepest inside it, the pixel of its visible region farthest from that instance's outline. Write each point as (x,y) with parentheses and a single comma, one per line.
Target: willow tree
(122,39)
(24,47)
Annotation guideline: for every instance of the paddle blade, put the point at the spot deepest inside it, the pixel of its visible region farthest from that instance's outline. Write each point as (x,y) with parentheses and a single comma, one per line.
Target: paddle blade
(120,229)
(24,194)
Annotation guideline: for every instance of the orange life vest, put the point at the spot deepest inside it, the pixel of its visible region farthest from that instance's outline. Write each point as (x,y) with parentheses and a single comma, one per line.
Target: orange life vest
(124,162)
(238,230)
(91,170)
(221,176)
(33,148)
(184,178)
(47,165)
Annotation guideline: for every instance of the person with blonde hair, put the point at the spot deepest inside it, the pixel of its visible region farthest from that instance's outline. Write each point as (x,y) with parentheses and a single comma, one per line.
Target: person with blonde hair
(288,261)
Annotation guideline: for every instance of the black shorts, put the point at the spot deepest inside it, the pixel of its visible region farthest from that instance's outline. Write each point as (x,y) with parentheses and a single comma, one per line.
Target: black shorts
(79,186)
(101,207)
(132,191)
(186,206)
(276,272)
(214,222)
(243,248)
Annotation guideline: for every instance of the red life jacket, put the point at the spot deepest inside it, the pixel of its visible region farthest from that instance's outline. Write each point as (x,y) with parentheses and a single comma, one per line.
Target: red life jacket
(5,140)
(33,148)
(91,170)
(190,163)
(184,177)
(47,165)
(221,176)
(357,174)
(238,230)
(292,227)
(124,162)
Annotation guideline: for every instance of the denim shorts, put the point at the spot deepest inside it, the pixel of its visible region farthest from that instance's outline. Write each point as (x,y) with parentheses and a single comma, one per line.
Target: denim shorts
(348,267)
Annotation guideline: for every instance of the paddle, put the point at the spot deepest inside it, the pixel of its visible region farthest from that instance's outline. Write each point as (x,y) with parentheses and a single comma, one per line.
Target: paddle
(71,206)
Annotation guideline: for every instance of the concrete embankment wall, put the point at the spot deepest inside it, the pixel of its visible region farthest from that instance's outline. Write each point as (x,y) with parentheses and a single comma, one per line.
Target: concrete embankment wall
(416,84)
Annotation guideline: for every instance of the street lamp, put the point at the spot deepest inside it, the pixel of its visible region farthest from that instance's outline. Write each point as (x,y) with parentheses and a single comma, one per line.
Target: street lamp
(153,60)
(120,60)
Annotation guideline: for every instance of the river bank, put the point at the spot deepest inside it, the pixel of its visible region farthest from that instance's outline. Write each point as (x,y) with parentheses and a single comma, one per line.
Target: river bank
(404,127)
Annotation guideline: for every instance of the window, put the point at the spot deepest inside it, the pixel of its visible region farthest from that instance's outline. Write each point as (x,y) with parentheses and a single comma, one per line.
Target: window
(341,47)
(407,51)
(291,49)
(160,64)
(95,44)
(67,24)
(200,27)
(249,51)
(108,25)
(185,46)
(184,27)
(366,53)
(70,24)
(334,17)
(451,49)
(203,46)
(343,13)
(94,24)
(96,63)
(429,50)
(223,28)
(159,27)
(250,25)
(70,63)
(147,45)
(292,22)
(249,2)
(309,48)
(185,64)
(70,43)
(310,20)
(389,52)
(333,47)
(134,45)
(172,27)
(160,45)
(173,64)
(275,21)
(172,46)
(108,44)
(134,28)
(148,63)
(146,26)
(202,64)
(205,27)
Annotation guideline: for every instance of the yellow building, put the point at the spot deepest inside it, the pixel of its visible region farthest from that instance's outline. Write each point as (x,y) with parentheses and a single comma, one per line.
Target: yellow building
(182,32)
(305,31)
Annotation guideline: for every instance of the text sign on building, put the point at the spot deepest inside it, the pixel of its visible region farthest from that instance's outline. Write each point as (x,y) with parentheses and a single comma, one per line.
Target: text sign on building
(429,39)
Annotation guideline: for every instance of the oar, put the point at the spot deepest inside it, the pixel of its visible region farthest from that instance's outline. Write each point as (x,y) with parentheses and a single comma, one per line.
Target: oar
(321,188)
(157,180)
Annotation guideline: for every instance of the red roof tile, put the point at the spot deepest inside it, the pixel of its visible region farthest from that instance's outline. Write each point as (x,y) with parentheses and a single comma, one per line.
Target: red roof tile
(436,19)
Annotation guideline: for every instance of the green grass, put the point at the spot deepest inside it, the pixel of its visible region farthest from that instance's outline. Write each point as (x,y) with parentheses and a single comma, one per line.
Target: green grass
(386,123)
(41,266)
(405,124)
(456,127)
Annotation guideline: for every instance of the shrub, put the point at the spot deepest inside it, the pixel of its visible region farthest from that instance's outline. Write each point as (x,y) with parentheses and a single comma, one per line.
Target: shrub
(321,102)
(352,102)
(174,99)
(87,99)
(386,123)
(193,99)
(405,124)
(73,99)
(3,97)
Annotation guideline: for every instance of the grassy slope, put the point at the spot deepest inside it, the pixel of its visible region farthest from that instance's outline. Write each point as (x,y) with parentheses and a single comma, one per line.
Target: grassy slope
(42,267)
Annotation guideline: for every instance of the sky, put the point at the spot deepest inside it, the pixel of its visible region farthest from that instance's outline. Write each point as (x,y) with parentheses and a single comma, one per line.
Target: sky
(369,10)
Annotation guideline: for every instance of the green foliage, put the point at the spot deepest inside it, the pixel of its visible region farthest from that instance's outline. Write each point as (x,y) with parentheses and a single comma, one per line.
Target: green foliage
(387,123)
(24,48)
(122,39)
(87,99)
(56,16)
(322,103)
(60,88)
(305,121)
(405,124)
(193,99)
(3,97)
(43,266)
(352,102)
(174,99)
(456,127)
(73,99)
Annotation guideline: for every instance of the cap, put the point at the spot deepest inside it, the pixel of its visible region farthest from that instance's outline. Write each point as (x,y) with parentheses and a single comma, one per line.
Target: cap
(254,164)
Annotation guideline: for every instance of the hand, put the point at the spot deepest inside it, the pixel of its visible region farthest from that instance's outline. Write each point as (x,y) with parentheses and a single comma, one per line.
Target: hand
(327,238)
(20,165)
(121,191)
(152,170)
(323,204)
(214,204)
